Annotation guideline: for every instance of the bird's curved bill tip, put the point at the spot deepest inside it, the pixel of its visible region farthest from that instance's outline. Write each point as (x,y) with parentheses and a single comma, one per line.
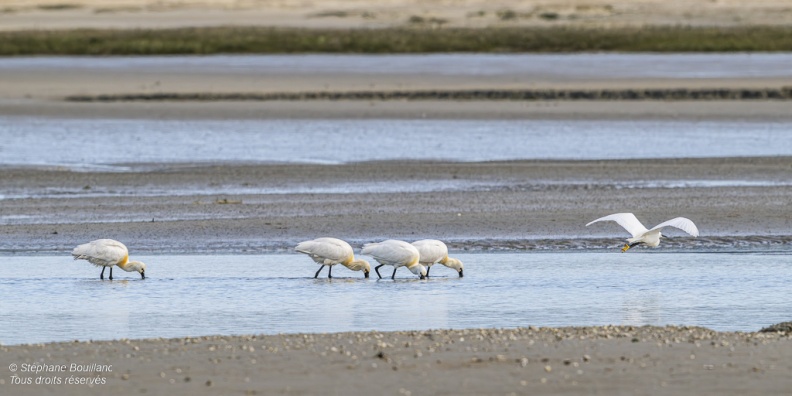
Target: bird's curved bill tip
(423,276)
(366,275)
(461,274)
(142,275)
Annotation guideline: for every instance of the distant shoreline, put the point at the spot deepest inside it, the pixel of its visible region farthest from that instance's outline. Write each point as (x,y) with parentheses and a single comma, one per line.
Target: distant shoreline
(784,93)
(270,40)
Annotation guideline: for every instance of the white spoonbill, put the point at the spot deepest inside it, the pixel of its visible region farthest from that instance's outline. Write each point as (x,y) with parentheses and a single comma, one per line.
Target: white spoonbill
(433,251)
(640,235)
(395,253)
(332,251)
(107,253)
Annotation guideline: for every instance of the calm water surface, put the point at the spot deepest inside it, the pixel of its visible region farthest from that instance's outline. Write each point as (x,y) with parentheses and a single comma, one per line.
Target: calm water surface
(106,143)
(565,66)
(55,298)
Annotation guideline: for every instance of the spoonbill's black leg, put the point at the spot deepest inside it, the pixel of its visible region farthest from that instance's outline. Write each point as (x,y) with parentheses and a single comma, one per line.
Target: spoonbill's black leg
(101,276)
(317,272)
(394,273)
(377,269)
(111,273)
(427,270)
(329,272)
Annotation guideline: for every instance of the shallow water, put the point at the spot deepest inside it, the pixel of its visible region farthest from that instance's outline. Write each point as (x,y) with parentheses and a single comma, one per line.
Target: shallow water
(566,66)
(104,144)
(55,299)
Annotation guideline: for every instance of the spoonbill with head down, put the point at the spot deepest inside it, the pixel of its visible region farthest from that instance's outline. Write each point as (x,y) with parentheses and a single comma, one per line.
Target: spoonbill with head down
(331,251)
(640,235)
(433,251)
(108,253)
(395,253)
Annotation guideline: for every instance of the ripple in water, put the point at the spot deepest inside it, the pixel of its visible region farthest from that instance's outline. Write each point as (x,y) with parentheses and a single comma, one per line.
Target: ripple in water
(56,299)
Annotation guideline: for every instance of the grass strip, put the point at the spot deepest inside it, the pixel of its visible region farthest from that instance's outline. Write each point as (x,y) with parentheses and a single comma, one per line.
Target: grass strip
(258,40)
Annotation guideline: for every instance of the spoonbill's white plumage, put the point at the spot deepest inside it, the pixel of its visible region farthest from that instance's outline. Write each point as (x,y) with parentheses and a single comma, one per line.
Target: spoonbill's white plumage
(108,253)
(650,237)
(433,251)
(331,251)
(395,253)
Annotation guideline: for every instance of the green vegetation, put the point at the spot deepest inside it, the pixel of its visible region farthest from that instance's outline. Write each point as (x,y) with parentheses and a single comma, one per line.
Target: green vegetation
(397,40)
(59,7)
(335,14)
(418,20)
(506,15)
(550,16)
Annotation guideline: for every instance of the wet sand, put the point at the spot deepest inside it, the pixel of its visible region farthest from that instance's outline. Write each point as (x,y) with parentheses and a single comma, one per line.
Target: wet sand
(493,205)
(467,110)
(564,361)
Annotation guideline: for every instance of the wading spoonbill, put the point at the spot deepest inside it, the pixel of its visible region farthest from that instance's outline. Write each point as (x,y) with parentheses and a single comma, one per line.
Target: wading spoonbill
(331,251)
(395,253)
(108,253)
(433,251)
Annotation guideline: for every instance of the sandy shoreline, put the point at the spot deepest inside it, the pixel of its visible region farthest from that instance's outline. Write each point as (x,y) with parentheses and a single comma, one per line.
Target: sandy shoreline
(586,360)
(131,14)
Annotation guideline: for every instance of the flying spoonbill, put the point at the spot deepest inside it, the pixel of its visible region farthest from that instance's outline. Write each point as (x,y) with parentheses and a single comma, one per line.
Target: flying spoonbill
(640,235)
(332,251)
(433,251)
(395,253)
(107,253)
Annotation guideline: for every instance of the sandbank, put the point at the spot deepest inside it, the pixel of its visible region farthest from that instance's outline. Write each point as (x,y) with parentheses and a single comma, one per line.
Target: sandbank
(565,361)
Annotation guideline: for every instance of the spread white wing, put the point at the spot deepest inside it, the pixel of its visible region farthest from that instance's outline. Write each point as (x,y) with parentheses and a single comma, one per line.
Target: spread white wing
(682,223)
(626,220)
